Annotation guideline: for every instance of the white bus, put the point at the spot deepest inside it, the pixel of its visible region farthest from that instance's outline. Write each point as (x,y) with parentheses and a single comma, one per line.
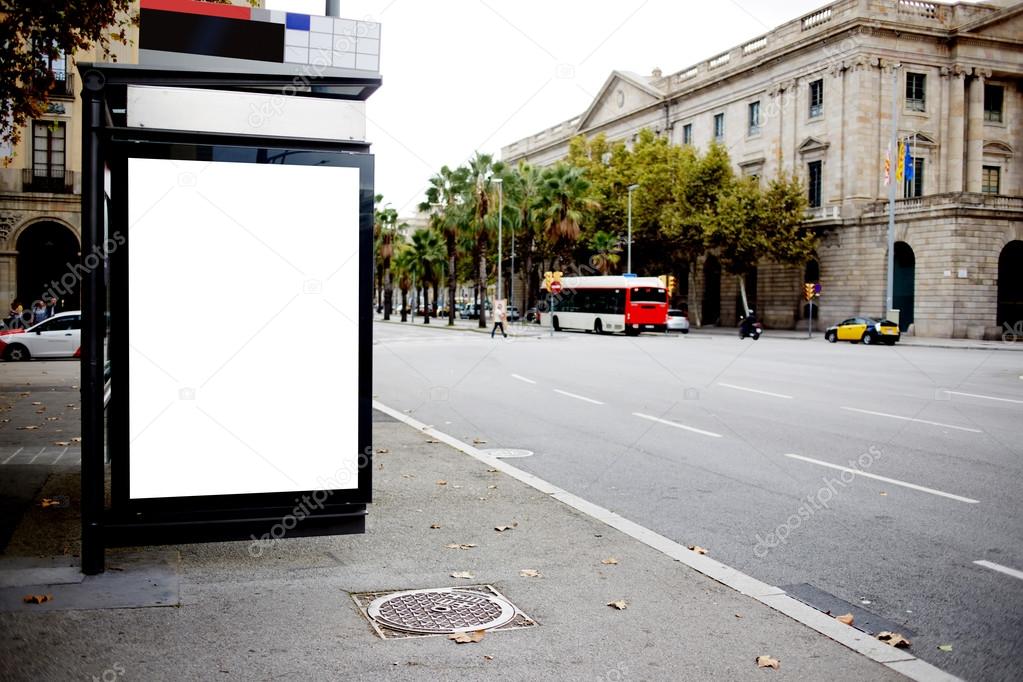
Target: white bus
(608,304)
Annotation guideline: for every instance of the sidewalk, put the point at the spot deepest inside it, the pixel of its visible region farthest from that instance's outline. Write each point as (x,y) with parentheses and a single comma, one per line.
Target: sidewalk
(238,611)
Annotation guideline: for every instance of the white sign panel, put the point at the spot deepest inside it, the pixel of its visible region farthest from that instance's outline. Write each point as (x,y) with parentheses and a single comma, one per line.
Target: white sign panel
(243,333)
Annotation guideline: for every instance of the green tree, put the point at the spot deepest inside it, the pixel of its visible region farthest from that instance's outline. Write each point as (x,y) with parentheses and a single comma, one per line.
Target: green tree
(565,199)
(428,264)
(606,247)
(481,196)
(385,232)
(522,197)
(404,266)
(443,197)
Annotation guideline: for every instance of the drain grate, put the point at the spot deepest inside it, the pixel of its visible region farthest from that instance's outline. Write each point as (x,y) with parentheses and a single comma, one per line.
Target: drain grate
(439,611)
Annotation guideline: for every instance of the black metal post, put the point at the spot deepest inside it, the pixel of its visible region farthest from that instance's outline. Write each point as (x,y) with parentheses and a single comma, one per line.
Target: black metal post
(93,324)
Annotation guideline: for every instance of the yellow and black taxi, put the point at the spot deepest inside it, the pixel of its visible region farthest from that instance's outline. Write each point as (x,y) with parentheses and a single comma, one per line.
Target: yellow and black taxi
(864,329)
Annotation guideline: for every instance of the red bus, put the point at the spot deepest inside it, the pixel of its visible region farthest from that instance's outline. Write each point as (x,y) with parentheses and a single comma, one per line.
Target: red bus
(609,304)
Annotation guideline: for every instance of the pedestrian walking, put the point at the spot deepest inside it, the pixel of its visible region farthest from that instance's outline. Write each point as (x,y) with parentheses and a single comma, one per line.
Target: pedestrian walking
(38,312)
(500,317)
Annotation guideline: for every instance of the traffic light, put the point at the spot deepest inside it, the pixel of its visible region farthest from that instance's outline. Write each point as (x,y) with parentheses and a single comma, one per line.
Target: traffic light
(548,277)
(809,289)
(671,283)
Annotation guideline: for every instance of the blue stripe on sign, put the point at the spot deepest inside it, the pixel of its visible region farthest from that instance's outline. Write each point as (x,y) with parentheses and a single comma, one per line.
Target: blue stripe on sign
(299,22)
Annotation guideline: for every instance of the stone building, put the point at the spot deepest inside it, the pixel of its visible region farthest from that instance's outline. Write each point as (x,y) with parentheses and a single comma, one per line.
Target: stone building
(814,97)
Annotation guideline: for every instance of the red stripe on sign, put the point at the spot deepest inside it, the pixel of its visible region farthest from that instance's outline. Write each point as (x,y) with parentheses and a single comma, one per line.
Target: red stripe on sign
(192,7)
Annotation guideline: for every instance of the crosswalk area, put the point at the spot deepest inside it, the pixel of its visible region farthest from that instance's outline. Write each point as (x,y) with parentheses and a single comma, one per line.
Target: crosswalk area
(49,454)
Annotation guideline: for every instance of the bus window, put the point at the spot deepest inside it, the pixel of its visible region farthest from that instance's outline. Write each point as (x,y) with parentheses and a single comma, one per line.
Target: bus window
(649,295)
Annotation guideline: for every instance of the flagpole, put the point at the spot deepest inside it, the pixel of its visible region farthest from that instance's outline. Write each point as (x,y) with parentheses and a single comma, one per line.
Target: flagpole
(892,179)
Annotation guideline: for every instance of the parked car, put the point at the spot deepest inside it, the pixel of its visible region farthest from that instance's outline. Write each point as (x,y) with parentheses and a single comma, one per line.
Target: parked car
(57,337)
(864,329)
(677,321)
(533,315)
(513,314)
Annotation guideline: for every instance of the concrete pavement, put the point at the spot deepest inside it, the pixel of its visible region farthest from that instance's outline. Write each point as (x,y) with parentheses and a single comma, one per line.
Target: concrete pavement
(245,611)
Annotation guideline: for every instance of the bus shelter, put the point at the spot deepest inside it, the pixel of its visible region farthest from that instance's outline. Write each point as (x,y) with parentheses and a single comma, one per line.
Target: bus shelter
(226,288)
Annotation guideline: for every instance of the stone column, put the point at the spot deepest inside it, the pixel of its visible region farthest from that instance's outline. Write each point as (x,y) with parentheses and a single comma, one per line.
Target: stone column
(975,131)
(956,130)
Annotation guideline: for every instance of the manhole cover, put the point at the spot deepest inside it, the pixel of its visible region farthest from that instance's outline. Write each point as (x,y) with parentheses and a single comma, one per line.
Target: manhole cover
(508,453)
(440,611)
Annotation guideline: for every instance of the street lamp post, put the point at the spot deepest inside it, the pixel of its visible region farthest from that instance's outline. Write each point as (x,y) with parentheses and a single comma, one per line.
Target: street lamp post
(500,215)
(632,188)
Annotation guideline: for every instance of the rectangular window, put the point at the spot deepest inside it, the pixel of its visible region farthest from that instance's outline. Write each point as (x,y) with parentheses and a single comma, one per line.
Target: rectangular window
(754,117)
(687,133)
(916,92)
(994,96)
(914,187)
(719,127)
(990,179)
(814,183)
(817,98)
(48,149)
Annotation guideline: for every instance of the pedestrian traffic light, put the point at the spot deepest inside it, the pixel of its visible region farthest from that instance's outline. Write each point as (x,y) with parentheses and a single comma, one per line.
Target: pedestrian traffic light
(809,289)
(671,284)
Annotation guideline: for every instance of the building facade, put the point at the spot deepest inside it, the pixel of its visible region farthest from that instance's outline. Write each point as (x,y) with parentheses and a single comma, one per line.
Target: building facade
(815,98)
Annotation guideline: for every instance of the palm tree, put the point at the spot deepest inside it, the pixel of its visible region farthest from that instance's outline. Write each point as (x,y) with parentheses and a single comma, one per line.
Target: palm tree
(385,229)
(606,246)
(523,198)
(445,193)
(482,170)
(403,264)
(564,199)
(428,258)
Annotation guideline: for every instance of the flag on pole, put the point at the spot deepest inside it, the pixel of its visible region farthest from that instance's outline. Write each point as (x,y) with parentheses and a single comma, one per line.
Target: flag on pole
(908,161)
(888,165)
(900,168)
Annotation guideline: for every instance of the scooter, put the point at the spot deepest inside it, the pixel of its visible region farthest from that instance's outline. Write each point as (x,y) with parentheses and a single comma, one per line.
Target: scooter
(747,328)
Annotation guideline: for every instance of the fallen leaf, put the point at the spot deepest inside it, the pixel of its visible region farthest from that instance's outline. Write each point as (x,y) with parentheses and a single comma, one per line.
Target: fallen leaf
(501,529)
(847,619)
(27,428)
(945,647)
(478,441)
(894,639)
(382,451)
(768,662)
(49,419)
(408,475)
(621,604)
(463,574)
(435,525)
(467,637)
(610,562)
(37,598)
(41,411)
(529,573)
(48,502)
(488,658)
(491,487)
(698,549)
(460,545)
(883,493)
(442,482)
(61,443)
(76,439)
(24,395)
(491,471)
(37,403)
(738,615)
(433,441)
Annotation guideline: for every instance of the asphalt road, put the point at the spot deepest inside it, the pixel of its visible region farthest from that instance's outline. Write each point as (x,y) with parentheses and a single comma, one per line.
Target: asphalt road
(733,445)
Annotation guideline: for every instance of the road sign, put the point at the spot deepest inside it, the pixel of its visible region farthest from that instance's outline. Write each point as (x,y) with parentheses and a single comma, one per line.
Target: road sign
(817,289)
(555,287)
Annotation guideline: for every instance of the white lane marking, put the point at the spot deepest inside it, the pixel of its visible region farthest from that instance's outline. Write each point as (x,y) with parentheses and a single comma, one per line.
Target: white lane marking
(676,425)
(33,460)
(769,595)
(755,390)
(577,397)
(14,455)
(522,378)
(986,397)
(1001,569)
(62,453)
(893,481)
(912,419)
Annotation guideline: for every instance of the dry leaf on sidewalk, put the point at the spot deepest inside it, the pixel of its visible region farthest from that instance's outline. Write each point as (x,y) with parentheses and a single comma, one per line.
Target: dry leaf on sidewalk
(945,647)
(460,545)
(434,526)
(27,428)
(501,529)
(467,637)
(432,441)
(529,573)
(894,639)
(62,443)
(382,451)
(491,471)
(463,574)
(847,619)
(621,604)
(442,482)
(491,487)
(768,662)
(610,562)
(49,502)
(36,402)
(478,441)
(698,549)
(37,598)
(76,439)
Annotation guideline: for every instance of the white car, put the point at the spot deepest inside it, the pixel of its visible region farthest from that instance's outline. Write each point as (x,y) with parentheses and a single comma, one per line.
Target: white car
(677,321)
(57,337)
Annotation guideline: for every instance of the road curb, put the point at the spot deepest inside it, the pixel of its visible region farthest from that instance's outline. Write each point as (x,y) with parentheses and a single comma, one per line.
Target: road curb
(774,597)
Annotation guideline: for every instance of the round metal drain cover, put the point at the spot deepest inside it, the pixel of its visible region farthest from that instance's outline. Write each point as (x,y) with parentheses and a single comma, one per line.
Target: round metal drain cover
(508,453)
(440,611)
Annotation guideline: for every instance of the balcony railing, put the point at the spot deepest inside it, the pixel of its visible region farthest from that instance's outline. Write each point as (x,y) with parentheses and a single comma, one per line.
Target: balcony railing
(47,180)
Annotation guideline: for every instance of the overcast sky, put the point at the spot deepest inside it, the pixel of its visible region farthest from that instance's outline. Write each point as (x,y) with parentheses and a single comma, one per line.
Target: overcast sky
(479,74)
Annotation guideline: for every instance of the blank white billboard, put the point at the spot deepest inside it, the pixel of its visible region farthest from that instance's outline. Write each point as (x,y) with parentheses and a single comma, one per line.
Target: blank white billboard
(243,327)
